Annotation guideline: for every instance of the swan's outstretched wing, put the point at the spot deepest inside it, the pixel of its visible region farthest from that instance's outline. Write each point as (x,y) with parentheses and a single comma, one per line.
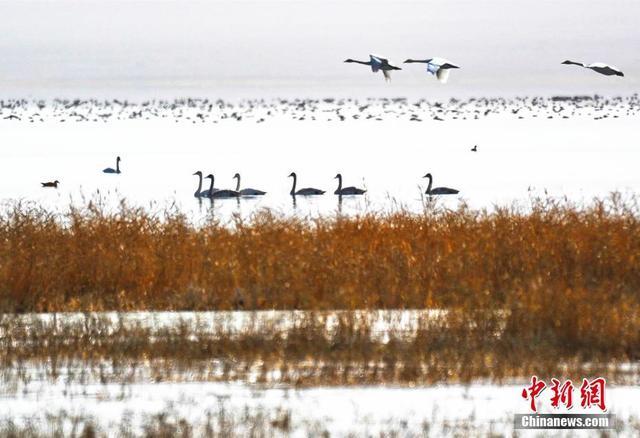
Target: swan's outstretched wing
(443,75)
(567,62)
(605,69)
(376,62)
(447,65)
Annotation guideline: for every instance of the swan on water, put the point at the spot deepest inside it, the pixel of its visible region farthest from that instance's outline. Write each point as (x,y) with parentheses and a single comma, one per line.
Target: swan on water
(198,193)
(347,190)
(246,192)
(436,66)
(598,67)
(207,193)
(308,191)
(112,170)
(220,193)
(377,63)
(438,190)
(53,184)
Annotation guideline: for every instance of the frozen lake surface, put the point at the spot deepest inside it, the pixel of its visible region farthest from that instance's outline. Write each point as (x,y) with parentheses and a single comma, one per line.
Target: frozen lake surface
(477,409)
(31,395)
(579,149)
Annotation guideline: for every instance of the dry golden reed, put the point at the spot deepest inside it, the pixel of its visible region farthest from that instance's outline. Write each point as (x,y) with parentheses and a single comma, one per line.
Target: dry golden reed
(544,290)
(554,255)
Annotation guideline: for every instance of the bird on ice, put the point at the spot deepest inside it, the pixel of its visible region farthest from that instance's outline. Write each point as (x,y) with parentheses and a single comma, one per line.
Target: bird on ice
(378,63)
(439,67)
(598,67)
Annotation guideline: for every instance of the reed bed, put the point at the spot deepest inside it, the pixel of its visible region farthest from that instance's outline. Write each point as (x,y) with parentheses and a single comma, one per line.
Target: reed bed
(552,289)
(452,348)
(553,253)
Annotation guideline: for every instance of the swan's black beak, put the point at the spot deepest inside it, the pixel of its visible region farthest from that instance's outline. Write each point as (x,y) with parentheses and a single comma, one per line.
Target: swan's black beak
(290,175)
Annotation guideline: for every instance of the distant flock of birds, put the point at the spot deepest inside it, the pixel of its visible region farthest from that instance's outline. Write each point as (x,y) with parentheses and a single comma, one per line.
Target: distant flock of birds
(216,193)
(199,111)
(439,67)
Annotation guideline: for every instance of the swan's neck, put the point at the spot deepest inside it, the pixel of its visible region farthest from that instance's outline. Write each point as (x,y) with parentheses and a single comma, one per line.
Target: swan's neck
(363,62)
(238,184)
(293,188)
(211,187)
(199,185)
(430,182)
(339,183)
(117,166)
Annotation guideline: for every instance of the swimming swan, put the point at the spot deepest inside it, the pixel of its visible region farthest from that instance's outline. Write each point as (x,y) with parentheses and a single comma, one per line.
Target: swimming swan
(303,192)
(224,193)
(347,190)
(111,170)
(438,190)
(246,192)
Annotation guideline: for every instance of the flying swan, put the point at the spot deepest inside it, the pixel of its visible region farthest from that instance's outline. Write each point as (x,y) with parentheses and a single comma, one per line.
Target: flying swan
(378,63)
(436,66)
(598,67)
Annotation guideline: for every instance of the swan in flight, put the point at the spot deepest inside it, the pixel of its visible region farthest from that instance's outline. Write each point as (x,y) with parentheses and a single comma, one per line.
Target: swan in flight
(219,193)
(303,192)
(246,192)
(347,190)
(436,66)
(378,63)
(53,184)
(112,170)
(438,190)
(598,67)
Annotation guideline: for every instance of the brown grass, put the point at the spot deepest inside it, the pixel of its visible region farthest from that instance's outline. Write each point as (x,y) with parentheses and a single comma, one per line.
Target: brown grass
(555,256)
(543,291)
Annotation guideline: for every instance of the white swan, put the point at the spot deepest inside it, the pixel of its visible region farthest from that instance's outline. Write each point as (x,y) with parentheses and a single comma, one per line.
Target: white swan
(378,63)
(436,66)
(598,67)
(303,192)
(246,192)
(438,190)
(112,170)
(347,190)
(220,193)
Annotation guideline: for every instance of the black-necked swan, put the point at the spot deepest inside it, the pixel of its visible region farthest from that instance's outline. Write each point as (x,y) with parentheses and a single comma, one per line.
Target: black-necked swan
(438,190)
(246,192)
(347,190)
(308,191)
(436,66)
(207,193)
(221,193)
(112,170)
(198,193)
(598,67)
(377,63)
(53,184)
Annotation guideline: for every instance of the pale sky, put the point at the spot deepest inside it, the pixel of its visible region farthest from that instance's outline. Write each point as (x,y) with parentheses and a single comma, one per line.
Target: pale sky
(267,48)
